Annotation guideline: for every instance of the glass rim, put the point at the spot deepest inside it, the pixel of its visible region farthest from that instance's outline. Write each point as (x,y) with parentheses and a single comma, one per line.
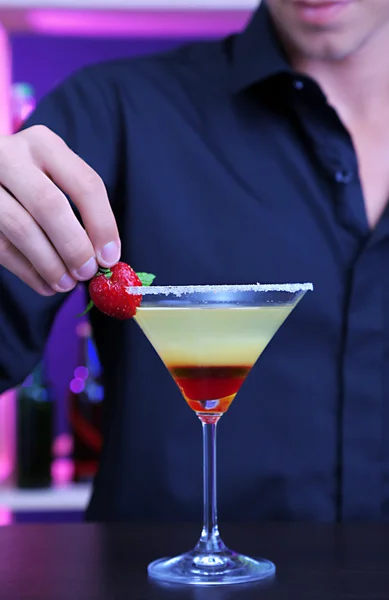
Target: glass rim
(180,290)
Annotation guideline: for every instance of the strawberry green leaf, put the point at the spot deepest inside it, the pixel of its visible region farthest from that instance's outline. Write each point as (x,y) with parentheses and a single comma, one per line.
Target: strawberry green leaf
(106,272)
(88,308)
(146,278)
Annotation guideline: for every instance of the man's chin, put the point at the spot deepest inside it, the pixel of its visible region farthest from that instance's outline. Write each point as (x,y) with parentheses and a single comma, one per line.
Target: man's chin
(325,52)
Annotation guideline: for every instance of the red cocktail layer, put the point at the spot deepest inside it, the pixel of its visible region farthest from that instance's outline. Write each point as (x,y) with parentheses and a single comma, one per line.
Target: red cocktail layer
(209,389)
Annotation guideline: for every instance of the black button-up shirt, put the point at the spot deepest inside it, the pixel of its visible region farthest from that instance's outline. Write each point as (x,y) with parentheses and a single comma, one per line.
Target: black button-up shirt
(225,166)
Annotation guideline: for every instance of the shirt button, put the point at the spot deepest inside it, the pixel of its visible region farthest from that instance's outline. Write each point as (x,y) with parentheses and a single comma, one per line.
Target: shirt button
(298,84)
(343,176)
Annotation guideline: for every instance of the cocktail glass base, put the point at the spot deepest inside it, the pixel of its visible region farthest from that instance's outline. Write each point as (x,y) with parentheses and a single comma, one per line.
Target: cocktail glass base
(194,568)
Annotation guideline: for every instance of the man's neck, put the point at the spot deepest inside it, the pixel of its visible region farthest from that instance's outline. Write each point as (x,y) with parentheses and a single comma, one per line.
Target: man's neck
(357,86)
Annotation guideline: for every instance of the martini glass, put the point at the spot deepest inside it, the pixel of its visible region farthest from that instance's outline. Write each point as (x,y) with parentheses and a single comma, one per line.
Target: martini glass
(209,338)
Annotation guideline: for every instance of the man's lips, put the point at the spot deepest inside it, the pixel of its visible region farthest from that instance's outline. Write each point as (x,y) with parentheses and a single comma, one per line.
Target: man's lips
(320,13)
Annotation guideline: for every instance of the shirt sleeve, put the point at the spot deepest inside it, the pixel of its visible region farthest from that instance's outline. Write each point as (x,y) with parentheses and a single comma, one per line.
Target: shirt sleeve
(84,112)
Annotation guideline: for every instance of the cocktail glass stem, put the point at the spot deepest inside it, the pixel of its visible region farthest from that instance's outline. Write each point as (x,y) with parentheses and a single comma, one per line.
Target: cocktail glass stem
(210,541)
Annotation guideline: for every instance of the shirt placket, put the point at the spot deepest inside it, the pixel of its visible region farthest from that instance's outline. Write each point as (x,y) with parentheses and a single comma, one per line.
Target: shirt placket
(360,412)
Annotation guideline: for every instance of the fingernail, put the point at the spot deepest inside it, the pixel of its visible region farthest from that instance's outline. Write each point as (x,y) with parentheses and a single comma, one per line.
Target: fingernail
(66,283)
(47,290)
(110,254)
(87,270)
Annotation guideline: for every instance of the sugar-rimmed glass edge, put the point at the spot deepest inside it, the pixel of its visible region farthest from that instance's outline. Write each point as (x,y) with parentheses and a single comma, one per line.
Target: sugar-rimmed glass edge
(168,290)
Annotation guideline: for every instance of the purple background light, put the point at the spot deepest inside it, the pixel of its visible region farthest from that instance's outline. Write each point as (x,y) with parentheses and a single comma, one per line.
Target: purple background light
(149,24)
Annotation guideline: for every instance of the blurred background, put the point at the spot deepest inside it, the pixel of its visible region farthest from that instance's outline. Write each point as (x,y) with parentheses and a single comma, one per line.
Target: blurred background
(50,427)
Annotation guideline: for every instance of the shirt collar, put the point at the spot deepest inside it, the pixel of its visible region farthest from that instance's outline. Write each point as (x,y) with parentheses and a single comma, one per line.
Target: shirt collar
(257,53)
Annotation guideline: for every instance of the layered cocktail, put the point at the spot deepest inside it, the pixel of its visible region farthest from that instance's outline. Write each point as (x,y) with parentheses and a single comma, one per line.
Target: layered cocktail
(209,338)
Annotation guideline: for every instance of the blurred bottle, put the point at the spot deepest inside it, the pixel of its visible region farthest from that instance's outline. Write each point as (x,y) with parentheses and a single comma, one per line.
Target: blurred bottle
(22,103)
(34,433)
(86,395)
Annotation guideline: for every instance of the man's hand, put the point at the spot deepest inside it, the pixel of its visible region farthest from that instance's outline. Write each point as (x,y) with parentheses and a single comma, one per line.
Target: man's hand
(41,240)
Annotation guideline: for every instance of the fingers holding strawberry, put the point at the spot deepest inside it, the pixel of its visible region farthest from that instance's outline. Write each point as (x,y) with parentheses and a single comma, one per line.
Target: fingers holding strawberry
(108,291)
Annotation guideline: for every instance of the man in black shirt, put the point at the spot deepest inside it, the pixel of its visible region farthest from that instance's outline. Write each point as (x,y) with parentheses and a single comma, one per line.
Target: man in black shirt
(261,157)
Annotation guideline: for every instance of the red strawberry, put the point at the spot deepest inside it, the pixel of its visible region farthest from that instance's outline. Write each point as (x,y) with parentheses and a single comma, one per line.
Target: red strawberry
(108,291)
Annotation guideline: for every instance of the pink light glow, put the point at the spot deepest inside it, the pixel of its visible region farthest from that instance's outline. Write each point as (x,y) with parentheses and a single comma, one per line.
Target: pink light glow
(81,373)
(136,23)
(27,110)
(62,471)
(7,433)
(63,445)
(6,517)
(77,385)
(6,468)
(5,81)
(84,329)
